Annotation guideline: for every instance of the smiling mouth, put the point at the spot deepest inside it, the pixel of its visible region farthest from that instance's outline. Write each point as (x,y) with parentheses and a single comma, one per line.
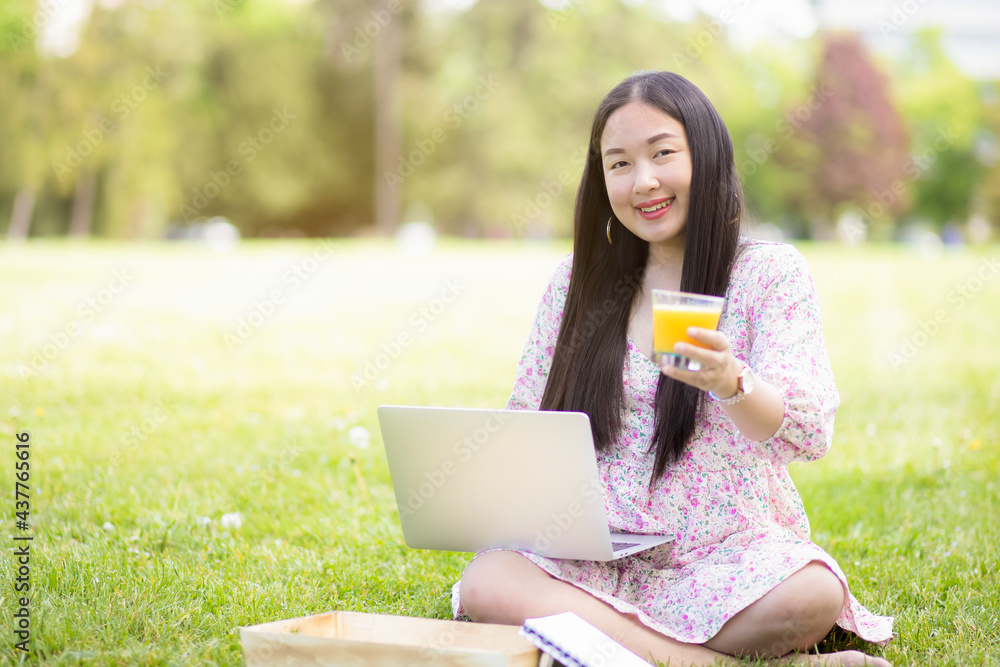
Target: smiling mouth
(657,207)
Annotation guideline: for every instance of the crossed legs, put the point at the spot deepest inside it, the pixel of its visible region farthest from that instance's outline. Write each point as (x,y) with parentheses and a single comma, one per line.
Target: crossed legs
(504,587)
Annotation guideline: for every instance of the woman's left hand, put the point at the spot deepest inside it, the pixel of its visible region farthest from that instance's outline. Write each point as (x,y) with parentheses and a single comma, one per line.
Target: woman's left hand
(719,368)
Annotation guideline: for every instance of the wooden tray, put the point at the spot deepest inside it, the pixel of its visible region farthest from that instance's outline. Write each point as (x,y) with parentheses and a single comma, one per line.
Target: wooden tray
(351,639)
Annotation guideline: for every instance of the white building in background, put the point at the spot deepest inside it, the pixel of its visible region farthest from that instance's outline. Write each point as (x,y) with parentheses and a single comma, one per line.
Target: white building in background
(970,28)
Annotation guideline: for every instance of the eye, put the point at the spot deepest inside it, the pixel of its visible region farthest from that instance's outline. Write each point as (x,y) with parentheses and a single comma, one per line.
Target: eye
(665,151)
(615,165)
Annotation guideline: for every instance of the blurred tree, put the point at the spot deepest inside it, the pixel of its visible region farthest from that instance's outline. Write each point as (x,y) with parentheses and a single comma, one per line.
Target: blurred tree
(21,169)
(265,111)
(142,112)
(385,17)
(988,193)
(499,101)
(74,110)
(945,117)
(762,100)
(853,140)
(258,105)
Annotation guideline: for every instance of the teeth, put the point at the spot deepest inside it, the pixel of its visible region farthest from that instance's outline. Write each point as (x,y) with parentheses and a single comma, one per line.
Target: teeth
(657,207)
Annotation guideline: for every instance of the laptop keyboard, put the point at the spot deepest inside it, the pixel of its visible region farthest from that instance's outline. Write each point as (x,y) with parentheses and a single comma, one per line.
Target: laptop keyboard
(618,546)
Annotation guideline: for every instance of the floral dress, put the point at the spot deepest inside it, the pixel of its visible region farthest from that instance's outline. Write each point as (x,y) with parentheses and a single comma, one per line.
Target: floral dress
(737,521)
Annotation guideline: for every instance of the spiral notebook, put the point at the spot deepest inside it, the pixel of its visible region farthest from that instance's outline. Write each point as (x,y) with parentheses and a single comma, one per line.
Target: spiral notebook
(576,643)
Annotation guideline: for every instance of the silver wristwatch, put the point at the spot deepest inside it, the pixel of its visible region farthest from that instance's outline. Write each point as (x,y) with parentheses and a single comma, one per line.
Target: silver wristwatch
(744,385)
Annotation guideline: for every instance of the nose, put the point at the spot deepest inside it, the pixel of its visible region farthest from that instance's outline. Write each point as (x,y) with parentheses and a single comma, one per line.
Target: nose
(645,179)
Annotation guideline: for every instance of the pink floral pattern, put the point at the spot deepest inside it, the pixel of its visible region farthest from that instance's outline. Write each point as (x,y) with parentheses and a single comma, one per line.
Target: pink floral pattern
(738,523)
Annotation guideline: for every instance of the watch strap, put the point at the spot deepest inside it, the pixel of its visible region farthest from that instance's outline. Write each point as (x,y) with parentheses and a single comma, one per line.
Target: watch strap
(739,395)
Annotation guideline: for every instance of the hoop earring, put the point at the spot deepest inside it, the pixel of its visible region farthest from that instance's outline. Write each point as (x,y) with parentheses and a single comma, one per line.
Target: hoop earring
(610,242)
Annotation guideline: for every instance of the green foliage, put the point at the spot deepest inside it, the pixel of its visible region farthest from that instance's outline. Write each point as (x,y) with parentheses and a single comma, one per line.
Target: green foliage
(495,104)
(946,115)
(856,133)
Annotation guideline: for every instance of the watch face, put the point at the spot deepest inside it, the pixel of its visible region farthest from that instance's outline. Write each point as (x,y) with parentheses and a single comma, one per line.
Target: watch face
(746,381)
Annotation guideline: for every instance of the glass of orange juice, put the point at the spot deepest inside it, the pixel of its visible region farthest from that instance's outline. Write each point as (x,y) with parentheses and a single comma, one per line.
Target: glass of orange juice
(673,313)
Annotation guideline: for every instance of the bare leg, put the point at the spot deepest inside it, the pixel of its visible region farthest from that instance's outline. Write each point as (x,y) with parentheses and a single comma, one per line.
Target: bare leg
(795,616)
(504,587)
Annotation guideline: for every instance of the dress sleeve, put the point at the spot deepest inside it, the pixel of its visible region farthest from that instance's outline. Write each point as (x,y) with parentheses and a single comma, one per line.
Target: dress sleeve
(536,357)
(789,352)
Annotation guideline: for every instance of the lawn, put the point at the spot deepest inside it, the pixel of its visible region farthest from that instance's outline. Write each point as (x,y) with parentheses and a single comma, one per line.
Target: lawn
(205,452)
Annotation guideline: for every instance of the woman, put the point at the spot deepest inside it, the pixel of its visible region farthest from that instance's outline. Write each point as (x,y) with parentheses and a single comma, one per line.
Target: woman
(700,455)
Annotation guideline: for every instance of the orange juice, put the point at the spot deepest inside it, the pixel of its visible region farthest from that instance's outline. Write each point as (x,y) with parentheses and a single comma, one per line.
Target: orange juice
(670,323)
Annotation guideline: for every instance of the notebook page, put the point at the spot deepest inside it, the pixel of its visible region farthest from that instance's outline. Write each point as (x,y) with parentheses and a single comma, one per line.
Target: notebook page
(576,643)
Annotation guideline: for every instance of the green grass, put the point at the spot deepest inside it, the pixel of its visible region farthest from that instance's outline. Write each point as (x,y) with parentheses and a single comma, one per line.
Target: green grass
(146,423)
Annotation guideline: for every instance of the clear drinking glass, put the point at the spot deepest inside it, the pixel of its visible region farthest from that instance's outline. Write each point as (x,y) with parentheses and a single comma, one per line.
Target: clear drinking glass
(673,313)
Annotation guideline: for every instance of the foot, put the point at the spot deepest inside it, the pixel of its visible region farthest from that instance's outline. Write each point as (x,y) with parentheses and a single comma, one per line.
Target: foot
(838,659)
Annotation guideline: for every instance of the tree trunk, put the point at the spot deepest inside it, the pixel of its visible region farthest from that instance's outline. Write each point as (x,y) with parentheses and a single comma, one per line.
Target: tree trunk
(20,222)
(388,139)
(83,204)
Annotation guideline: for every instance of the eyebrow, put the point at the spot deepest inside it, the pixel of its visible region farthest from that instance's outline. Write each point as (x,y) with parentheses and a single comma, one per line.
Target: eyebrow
(651,140)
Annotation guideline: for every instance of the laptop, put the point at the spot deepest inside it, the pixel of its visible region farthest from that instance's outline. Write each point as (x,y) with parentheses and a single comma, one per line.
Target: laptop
(471,479)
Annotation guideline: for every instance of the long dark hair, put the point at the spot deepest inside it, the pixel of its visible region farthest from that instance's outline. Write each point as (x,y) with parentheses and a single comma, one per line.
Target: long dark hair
(589,358)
